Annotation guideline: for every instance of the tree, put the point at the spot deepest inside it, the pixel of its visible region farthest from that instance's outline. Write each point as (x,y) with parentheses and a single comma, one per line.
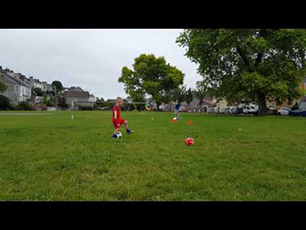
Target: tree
(61,102)
(138,96)
(189,96)
(256,65)
(4,103)
(180,94)
(201,92)
(3,86)
(152,76)
(58,85)
(23,106)
(38,92)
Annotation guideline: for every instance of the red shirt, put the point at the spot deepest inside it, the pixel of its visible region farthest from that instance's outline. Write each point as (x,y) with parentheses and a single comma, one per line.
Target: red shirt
(116,108)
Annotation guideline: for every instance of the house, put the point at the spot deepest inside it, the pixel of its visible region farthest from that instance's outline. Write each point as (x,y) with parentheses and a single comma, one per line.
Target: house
(46,87)
(194,106)
(92,98)
(38,84)
(17,91)
(110,101)
(78,96)
(35,83)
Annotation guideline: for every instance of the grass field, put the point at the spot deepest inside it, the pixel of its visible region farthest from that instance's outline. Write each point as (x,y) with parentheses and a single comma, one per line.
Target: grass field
(59,159)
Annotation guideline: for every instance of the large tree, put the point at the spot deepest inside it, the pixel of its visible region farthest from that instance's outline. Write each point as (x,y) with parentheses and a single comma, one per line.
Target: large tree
(179,94)
(189,96)
(257,65)
(58,85)
(152,76)
(201,92)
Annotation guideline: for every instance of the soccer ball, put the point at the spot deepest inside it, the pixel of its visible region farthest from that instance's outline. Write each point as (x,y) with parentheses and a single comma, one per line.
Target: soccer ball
(175,118)
(189,141)
(119,135)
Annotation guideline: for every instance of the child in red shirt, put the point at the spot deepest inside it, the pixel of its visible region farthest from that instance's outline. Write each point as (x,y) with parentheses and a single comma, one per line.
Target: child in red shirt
(117,120)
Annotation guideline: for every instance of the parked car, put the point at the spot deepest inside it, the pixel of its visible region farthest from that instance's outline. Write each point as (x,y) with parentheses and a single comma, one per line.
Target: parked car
(271,110)
(233,110)
(227,110)
(299,109)
(213,110)
(219,110)
(271,107)
(250,109)
(283,111)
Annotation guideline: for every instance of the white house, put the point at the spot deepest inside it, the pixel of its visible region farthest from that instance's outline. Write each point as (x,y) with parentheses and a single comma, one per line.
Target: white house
(17,91)
(92,98)
(46,87)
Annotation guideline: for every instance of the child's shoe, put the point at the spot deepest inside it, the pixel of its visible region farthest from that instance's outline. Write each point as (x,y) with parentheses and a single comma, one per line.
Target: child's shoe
(129,131)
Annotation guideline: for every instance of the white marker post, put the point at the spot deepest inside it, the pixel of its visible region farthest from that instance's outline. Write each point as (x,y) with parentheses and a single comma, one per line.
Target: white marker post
(151,108)
(72,107)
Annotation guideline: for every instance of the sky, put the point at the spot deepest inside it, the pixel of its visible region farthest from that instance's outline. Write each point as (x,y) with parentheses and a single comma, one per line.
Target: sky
(90,58)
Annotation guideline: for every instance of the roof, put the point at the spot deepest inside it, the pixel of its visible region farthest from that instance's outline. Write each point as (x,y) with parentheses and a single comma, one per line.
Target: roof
(15,79)
(76,94)
(111,101)
(76,89)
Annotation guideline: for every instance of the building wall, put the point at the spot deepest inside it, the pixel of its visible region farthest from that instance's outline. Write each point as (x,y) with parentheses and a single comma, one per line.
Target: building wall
(25,93)
(38,85)
(12,91)
(92,99)
(16,91)
(223,104)
(79,101)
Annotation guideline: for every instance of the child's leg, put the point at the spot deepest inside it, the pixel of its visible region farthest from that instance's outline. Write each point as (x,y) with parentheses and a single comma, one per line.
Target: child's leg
(116,130)
(126,125)
(127,128)
(115,133)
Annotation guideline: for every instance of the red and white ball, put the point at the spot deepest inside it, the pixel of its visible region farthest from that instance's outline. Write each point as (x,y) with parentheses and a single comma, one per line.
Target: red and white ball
(189,141)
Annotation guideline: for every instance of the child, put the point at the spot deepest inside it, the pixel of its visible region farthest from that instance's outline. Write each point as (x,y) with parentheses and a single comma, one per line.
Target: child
(117,121)
(177,107)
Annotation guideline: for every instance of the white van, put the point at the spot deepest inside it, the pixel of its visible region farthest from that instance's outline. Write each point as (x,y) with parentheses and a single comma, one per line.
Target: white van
(250,109)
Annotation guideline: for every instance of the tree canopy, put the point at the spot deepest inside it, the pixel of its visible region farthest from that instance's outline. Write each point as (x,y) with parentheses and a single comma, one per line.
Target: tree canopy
(201,92)
(249,64)
(38,92)
(180,94)
(58,85)
(152,76)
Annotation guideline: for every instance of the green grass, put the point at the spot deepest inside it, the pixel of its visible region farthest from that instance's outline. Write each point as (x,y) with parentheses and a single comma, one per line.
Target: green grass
(56,158)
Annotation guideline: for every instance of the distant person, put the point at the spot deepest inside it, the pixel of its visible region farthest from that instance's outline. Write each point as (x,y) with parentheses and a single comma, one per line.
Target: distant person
(176,109)
(117,120)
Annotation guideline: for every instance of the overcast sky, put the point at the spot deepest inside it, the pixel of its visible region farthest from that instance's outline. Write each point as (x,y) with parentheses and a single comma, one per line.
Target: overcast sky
(91,59)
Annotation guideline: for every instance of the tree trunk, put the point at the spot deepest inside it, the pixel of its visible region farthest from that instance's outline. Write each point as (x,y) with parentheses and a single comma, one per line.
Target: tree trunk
(157,105)
(262,104)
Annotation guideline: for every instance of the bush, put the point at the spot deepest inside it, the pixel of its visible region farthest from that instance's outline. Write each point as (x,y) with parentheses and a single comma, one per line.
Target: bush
(23,106)
(5,103)
(86,108)
(64,106)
